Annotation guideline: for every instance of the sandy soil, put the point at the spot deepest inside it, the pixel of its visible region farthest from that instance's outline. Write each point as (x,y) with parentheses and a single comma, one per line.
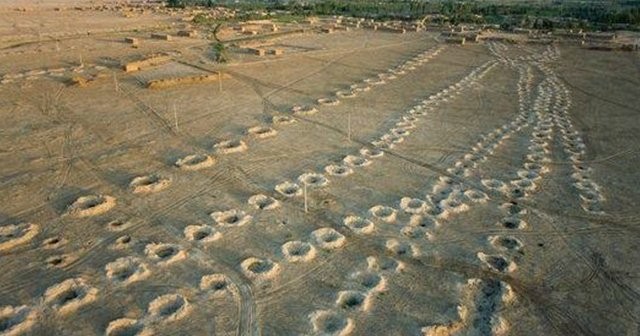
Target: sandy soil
(364,183)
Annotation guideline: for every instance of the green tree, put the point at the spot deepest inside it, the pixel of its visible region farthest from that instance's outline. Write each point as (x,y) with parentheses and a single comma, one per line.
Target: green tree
(175,3)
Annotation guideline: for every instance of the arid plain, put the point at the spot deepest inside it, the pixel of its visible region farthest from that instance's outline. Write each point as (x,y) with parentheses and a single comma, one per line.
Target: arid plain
(361,183)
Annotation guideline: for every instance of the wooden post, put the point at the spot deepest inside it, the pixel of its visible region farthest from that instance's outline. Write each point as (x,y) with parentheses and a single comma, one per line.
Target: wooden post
(306,203)
(175,117)
(349,126)
(115,82)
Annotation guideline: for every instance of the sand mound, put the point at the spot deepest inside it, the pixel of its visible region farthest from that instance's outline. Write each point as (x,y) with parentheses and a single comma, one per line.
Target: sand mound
(392,138)
(410,118)
(262,132)
(371,153)
(370,281)
(476,196)
(383,264)
(17,234)
(230,146)
(513,222)
(374,81)
(304,110)
(86,206)
(338,170)
(351,299)
(513,209)
(168,308)
(329,323)
(195,162)
(399,132)
(356,161)
(328,101)
(127,327)
(505,243)
(148,184)
(282,120)
(16,320)
(122,242)
(217,284)
(231,217)
(259,269)
(424,221)
(345,94)
(165,254)
(53,243)
(328,238)
(127,270)
(359,225)
(405,125)
(497,263)
(360,88)
(524,184)
(453,204)
(263,202)
(384,213)
(69,295)
(415,232)
(313,180)
(401,248)
(61,260)
(298,251)
(289,189)
(413,205)
(201,233)
(119,225)
(381,144)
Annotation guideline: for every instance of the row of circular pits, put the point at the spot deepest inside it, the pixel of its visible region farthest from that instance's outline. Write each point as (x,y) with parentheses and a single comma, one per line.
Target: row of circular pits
(365,284)
(362,225)
(293,251)
(171,307)
(396,135)
(130,269)
(402,128)
(354,89)
(93,205)
(513,211)
(165,308)
(470,160)
(153,183)
(168,307)
(63,298)
(588,191)
(572,142)
(536,156)
(381,78)
(167,254)
(479,310)
(318,180)
(505,244)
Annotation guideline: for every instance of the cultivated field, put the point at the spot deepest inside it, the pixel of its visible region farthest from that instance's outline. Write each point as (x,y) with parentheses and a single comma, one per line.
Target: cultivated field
(363,183)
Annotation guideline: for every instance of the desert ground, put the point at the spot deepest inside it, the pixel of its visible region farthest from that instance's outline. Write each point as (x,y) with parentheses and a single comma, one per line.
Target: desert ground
(362,183)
